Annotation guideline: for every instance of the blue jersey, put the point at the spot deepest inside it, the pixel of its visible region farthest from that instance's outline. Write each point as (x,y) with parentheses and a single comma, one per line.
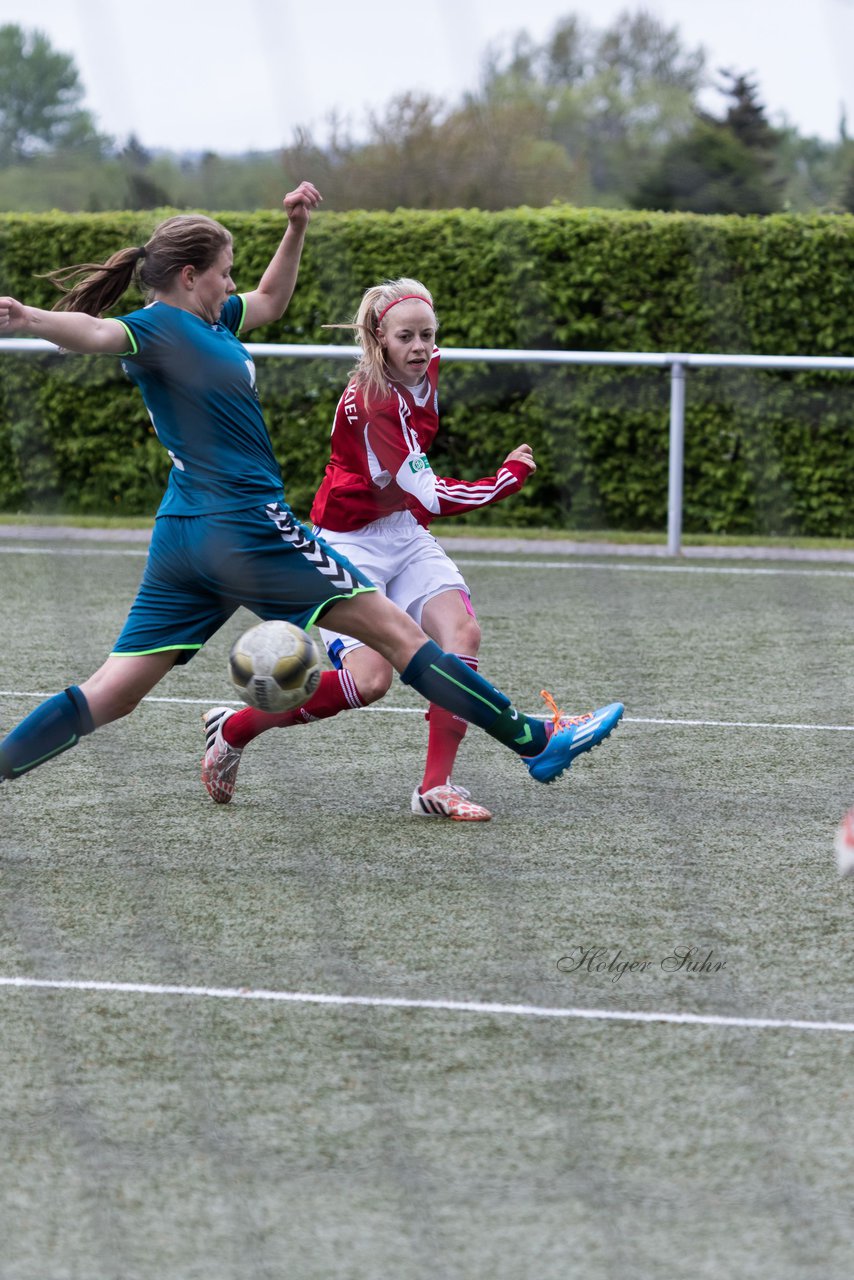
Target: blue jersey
(198,383)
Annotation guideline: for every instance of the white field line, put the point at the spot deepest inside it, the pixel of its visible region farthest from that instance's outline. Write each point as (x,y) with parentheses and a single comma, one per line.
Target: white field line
(487,562)
(736,570)
(441,1006)
(417,711)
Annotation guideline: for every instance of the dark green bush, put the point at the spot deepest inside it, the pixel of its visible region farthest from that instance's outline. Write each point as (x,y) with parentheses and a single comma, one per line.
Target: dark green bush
(765,452)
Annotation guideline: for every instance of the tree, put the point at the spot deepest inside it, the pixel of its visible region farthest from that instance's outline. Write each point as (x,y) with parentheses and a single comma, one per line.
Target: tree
(419,155)
(745,117)
(40,99)
(143,189)
(611,99)
(710,171)
(813,170)
(722,166)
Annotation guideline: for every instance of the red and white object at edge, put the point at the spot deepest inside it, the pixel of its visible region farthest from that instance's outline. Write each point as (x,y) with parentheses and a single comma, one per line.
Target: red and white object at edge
(844,845)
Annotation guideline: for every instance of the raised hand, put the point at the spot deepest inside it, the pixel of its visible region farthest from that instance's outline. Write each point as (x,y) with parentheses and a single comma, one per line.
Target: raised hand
(524,454)
(298,204)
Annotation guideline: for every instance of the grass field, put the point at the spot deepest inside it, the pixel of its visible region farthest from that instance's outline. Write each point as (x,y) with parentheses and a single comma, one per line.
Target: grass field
(308,1036)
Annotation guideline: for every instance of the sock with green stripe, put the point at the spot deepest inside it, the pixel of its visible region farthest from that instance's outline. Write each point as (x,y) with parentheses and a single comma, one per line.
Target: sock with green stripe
(52,728)
(442,678)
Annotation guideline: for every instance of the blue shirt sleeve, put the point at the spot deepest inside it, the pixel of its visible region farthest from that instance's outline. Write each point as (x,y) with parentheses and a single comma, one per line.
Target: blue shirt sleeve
(146,334)
(233,313)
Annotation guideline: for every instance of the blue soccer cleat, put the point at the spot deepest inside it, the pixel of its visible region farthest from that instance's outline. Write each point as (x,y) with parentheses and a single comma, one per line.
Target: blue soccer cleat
(570,737)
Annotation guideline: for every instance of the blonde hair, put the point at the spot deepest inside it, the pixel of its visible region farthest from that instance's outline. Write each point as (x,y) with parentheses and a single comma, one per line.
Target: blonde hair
(370,372)
(188,239)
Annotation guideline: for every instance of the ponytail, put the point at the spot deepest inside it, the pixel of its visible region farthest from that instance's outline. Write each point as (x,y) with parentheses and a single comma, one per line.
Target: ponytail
(93,287)
(186,240)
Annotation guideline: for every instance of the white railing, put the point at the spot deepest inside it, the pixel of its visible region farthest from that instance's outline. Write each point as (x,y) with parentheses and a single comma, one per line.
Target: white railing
(678,362)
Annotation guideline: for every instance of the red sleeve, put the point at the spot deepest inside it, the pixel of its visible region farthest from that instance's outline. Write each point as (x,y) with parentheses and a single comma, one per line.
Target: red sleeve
(445,496)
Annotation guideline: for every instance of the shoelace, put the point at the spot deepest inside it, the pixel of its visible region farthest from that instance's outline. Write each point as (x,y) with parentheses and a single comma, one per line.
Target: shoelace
(559,719)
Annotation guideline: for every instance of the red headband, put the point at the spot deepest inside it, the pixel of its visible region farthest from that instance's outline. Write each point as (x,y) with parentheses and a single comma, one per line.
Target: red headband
(419,296)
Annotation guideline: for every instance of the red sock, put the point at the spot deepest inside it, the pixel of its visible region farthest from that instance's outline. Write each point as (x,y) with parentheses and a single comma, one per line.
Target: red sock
(336,692)
(443,741)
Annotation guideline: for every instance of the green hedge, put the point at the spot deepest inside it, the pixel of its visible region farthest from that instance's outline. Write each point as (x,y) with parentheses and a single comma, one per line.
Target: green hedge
(765,452)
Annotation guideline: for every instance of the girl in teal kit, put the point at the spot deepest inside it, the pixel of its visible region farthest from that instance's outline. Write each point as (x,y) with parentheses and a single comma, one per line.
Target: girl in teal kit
(224,536)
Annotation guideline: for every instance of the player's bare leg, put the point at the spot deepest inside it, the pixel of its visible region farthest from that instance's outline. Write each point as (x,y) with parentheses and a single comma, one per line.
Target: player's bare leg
(449,619)
(120,684)
(379,624)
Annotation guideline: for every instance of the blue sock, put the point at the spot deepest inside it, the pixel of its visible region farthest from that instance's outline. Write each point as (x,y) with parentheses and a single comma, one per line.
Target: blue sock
(441,678)
(52,728)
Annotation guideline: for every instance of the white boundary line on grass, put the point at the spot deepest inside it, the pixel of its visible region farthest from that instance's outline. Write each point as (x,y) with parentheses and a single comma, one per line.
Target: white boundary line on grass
(418,711)
(441,1006)
(487,562)
(734,570)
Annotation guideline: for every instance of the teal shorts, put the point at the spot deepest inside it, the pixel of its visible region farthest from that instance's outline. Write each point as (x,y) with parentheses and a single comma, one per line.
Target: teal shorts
(201,569)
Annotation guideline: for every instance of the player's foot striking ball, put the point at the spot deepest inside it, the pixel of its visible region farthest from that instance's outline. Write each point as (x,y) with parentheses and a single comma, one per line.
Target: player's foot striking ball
(570,736)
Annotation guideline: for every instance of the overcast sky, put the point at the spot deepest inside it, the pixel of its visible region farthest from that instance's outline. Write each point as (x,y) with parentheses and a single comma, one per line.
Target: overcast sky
(235,75)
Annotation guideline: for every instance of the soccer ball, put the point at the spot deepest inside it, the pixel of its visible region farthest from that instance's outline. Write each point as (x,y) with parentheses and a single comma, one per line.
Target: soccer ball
(275,666)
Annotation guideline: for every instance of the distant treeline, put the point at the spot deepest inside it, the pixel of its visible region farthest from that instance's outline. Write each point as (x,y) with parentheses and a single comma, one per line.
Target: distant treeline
(603,118)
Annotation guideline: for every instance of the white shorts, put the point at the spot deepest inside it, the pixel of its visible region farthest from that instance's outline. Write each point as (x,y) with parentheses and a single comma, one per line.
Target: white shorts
(402,560)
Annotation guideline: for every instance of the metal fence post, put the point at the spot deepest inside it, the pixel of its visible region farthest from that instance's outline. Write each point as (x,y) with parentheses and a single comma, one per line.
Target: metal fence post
(677,458)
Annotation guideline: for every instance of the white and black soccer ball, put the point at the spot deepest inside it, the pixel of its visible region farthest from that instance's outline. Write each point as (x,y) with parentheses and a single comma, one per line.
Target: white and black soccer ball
(275,666)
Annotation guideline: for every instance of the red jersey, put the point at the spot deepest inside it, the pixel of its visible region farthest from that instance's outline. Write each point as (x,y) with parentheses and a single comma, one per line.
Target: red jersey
(378,462)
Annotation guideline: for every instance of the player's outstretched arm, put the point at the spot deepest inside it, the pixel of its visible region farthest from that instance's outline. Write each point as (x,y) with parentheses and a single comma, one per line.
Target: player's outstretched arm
(446,496)
(270,300)
(71,330)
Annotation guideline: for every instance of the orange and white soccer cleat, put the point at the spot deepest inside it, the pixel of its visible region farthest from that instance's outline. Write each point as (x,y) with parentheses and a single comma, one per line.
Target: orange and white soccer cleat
(220,763)
(448,801)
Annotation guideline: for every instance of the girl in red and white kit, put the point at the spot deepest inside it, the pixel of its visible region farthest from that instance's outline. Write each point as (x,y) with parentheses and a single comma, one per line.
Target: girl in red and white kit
(374,506)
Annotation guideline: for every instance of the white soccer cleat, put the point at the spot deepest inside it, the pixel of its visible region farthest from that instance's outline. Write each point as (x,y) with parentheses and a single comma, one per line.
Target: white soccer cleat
(448,801)
(221,761)
(844,845)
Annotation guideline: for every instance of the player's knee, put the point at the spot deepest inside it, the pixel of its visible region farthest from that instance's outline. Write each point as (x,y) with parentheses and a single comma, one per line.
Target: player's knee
(122,704)
(109,699)
(467,638)
(374,683)
(113,704)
